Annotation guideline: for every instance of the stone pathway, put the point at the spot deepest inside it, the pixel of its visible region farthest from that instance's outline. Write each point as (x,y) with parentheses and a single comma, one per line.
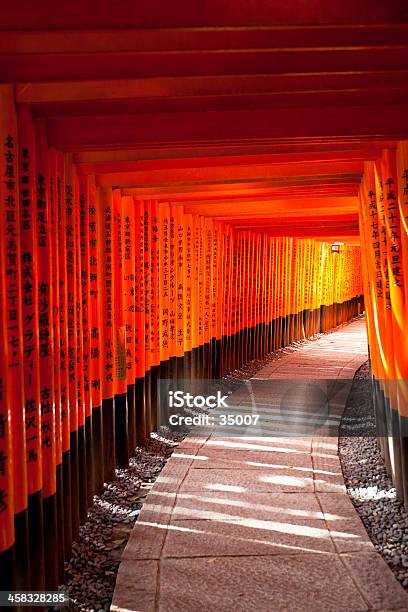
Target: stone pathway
(262,522)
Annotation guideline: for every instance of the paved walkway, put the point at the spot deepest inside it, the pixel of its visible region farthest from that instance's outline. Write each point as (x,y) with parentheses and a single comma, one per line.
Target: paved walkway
(262,522)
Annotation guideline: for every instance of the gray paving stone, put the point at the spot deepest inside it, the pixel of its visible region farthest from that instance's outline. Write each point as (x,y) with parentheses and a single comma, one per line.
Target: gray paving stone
(227,536)
(295,583)
(147,537)
(280,444)
(247,480)
(249,505)
(375,580)
(346,528)
(136,585)
(250,459)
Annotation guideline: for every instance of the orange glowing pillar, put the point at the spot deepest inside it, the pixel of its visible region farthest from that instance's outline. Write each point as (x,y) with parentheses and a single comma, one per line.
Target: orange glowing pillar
(46,361)
(29,279)
(128,237)
(104,208)
(119,335)
(140,353)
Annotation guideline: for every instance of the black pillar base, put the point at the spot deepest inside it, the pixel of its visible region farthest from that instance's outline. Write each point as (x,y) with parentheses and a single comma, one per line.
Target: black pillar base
(8,569)
(36,534)
(97,445)
(66,495)
(131,418)
(155,395)
(121,431)
(108,416)
(82,474)
(74,484)
(51,542)
(90,458)
(60,523)
(140,406)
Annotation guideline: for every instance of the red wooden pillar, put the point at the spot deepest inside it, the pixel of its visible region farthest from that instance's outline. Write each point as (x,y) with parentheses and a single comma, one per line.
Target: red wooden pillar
(7,476)
(128,232)
(85,188)
(53,184)
(121,416)
(29,279)
(10,228)
(154,331)
(46,360)
(140,353)
(64,355)
(104,207)
(95,349)
(147,293)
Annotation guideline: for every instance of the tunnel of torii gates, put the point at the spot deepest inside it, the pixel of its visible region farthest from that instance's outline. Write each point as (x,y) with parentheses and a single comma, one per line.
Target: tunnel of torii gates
(171,188)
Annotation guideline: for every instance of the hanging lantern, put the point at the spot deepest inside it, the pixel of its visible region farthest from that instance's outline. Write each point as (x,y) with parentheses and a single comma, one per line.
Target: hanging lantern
(335,247)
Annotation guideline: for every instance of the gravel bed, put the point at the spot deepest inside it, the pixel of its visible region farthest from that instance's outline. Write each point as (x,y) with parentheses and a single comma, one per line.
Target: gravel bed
(90,574)
(368,484)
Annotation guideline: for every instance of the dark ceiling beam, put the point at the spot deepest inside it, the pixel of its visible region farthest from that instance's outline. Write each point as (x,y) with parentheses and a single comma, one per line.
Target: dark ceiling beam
(276,213)
(210,195)
(124,65)
(318,226)
(122,162)
(188,87)
(227,127)
(206,186)
(248,194)
(329,234)
(97,14)
(172,39)
(281,151)
(301,220)
(276,207)
(253,220)
(275,174)
(385,97)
